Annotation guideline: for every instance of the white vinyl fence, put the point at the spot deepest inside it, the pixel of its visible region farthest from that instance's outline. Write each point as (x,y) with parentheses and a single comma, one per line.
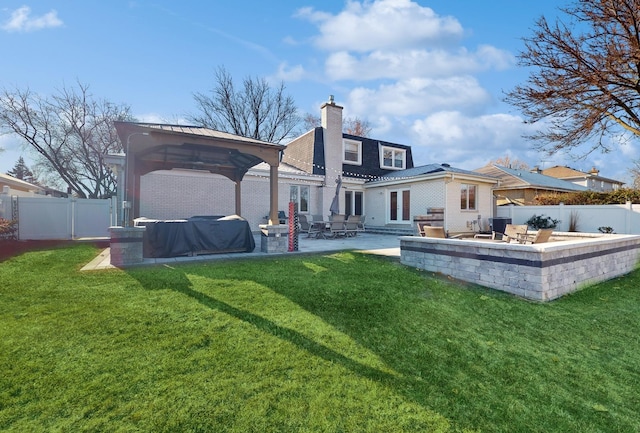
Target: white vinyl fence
(622,218)
(42,218)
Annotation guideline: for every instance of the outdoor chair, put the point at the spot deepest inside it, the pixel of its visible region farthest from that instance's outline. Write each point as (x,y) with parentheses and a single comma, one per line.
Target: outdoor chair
(433,232)
(336,225)
(542,235)
(308,227)
(361,223)
(512,231)
(351,225)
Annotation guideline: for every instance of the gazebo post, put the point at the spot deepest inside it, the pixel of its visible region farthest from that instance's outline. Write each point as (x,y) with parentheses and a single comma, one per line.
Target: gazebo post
(238,197)
(273,194)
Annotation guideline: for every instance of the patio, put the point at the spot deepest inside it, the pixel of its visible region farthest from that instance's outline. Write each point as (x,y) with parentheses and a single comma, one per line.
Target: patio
(371,243)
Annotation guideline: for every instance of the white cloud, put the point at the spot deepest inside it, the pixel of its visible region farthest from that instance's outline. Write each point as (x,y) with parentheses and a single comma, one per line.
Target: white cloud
(22,21)
(382,25)
(418,96)
(469,142)
(397,64)
(287,73)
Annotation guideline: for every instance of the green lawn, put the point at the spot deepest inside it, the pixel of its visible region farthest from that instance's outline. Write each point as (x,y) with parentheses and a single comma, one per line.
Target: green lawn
(329,343)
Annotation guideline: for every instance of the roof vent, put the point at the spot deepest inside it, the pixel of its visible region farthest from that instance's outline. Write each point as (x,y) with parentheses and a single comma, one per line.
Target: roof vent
(444,164)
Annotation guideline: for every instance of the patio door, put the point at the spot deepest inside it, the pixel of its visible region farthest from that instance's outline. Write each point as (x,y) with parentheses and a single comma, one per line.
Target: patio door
(399,206)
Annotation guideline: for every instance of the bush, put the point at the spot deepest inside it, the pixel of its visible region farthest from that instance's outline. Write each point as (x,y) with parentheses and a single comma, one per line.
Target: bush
(620,196)
(542,222)
(8,229)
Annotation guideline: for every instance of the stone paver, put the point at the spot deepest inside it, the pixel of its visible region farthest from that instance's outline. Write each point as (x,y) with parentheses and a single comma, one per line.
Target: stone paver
(387,245)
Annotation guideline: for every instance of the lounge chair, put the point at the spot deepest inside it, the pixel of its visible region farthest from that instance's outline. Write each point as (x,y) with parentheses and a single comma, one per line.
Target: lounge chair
(513,231)
(542,235)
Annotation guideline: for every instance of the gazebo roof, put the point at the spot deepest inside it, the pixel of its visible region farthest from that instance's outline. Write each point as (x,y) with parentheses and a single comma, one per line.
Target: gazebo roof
(164,147)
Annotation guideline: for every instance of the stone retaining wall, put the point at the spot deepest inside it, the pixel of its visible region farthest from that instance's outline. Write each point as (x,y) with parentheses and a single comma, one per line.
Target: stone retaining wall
(539,272)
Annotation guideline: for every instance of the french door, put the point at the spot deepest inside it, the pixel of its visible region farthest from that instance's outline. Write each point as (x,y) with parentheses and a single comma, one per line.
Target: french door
(399,206)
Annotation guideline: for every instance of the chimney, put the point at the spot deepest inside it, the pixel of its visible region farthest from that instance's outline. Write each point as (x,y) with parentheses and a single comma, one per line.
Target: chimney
(332,132)
(331,116)
(536,169)
(594,171)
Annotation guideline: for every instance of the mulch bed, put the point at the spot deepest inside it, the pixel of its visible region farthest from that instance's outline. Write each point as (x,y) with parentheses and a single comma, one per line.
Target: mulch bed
(11,248)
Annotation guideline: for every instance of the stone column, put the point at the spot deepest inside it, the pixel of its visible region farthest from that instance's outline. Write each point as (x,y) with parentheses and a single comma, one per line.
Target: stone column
(274,238)
(126,245)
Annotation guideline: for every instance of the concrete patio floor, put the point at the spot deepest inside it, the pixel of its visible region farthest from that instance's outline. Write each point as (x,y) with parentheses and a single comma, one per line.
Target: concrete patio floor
(386,245)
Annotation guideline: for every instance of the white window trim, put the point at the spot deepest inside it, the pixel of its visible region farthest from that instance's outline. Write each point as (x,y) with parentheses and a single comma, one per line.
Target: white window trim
(394,150)
(475,207)
(357,143)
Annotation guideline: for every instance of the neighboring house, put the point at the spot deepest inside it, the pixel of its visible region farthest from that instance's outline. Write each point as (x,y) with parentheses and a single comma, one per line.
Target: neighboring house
(521,187)
(377,179)
(590,180)
(19,187)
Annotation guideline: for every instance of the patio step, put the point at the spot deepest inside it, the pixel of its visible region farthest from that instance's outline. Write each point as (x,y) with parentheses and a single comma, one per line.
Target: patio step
(386,230)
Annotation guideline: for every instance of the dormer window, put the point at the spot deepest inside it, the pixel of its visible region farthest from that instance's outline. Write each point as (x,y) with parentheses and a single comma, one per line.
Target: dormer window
(393,158)
(352,152)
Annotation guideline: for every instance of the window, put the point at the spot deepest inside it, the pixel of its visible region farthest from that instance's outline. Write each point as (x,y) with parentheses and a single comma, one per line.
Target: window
(352,152)
(467,197)
(393,158)
(353,202)
(299,194)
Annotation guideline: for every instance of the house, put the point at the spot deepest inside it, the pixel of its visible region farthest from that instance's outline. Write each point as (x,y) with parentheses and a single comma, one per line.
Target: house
(521,187)
(19,187)
(370,177)
(590,180)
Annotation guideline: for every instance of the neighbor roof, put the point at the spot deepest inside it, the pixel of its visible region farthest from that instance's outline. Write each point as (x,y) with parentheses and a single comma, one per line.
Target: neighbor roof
(513,178)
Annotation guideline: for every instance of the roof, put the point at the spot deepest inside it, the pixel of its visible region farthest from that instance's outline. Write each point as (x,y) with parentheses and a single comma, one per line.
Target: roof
(307,153)
(568,173)
(434,170)
(164,147)
(19,184)
(519,179)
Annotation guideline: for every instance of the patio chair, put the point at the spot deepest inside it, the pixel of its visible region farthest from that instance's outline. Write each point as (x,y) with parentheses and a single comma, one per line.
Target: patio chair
(308,227)
(361,223)
(512,231)
(433,232)
(542,235)
(336,225)
(351,225)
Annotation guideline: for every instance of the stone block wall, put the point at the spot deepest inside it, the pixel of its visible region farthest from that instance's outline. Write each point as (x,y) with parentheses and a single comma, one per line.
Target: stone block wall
(539,272)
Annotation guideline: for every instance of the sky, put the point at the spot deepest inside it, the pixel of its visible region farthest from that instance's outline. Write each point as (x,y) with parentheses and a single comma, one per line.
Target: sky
(430,74)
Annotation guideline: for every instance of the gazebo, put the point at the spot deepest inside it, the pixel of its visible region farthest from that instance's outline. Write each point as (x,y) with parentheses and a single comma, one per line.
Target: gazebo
(149,147)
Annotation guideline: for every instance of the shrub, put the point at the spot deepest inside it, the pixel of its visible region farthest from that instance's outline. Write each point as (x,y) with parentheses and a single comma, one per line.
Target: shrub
(542,222)
(619,196)
(8,229)
(574,220)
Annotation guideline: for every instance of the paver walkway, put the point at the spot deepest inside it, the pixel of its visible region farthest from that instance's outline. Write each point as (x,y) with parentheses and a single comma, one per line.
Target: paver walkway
(387,245)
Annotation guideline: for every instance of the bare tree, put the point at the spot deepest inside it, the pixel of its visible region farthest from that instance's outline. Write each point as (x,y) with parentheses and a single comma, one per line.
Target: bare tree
(356,126)
(586,75)
(634,172)
(70,131)
(256,111)
(351,126)
(509,162)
